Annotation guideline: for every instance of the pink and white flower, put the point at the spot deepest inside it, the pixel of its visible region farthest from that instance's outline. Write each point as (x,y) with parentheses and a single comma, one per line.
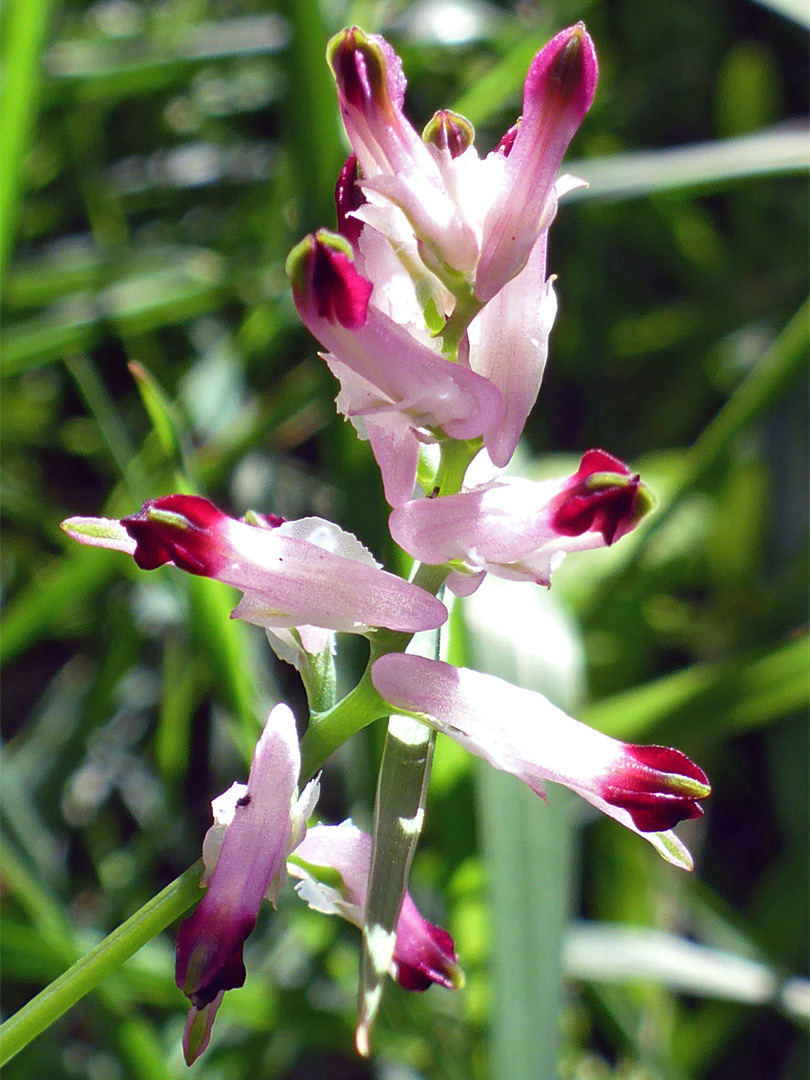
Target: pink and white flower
(646,788)
(520,529)
(559,91)
(398,389)
(245,854)
(423,953)
(307,574)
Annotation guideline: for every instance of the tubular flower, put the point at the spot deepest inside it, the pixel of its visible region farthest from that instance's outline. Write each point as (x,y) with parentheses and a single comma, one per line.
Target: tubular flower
(423,953)
(303,574)
(519,529)
(399,387)
(245,852)
(395,162)
(647,788)
(559,90)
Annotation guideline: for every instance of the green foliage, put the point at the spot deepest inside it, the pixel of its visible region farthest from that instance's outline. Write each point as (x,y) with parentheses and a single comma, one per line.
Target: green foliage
(158,164)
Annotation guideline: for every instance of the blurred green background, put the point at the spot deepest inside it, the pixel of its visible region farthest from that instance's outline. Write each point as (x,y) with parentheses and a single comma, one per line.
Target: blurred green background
(158,162)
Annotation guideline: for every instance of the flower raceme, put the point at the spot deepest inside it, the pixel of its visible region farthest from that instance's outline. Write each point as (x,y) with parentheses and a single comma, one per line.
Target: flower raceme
(305,574)
(256,828)
(646,788)
(436,310)
(519,529)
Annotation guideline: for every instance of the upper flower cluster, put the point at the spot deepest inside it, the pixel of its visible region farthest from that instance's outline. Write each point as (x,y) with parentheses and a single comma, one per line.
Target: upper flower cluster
(433,302)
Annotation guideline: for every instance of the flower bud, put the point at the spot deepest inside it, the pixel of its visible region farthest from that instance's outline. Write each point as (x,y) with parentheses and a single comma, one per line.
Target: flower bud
(349,197)
(449,131)
(324,279)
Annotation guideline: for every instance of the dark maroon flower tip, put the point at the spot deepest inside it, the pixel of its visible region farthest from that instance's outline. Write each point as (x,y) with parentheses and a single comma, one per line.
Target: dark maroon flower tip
(604,497)
(272,521)
(175,529)
(340,293)
(359,66)
(431,961)
(568,66)
(653,813)
(596,461)
(209,956)
(348,197)
(568,71)
(508,139)
(664,759)
(658,786)
(449,131)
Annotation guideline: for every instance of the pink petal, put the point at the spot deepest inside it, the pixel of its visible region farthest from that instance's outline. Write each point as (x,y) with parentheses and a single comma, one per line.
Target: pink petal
(423,953)
(647,789)
(510,345)
(253,853)
(518,529)
(430,391)
(559,90)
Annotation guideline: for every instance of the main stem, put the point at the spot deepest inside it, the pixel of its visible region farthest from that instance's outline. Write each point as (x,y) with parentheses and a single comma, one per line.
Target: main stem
(102,960)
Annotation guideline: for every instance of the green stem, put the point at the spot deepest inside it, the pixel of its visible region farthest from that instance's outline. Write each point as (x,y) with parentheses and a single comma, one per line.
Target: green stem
(319,682)
(455,458)
(329,730)
(398,814)
(86,974)
(467,307)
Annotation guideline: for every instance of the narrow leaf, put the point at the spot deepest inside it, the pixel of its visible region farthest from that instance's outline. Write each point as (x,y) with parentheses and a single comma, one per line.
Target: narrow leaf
(627,176)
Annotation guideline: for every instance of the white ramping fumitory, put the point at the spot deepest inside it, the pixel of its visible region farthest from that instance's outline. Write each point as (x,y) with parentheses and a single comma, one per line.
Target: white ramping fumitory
(307,574)
(647,788)
(245,854)
(519,529)
(423,953)
(434,307)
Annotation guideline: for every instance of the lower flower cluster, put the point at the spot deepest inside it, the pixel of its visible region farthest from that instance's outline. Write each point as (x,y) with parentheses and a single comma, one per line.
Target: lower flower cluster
(434,308)
(259,835)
